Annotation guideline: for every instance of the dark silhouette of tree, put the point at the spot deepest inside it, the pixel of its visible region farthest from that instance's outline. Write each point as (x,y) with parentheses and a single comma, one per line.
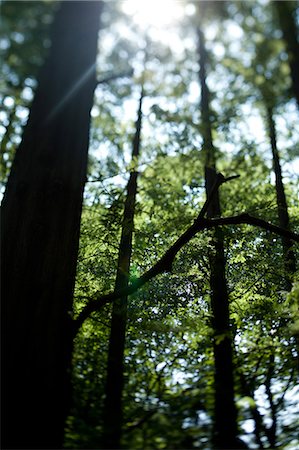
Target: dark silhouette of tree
(40,231)
(225,413)
(112,413)
(20,63)
(282,207)
(286,14)
(193,300)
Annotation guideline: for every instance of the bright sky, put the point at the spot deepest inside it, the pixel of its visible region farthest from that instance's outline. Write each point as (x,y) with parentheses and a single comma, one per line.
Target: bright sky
(159,18)
(156,13)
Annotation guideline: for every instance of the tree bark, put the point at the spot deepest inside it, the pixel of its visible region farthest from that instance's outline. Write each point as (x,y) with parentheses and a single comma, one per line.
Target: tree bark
(40,232)
(286,16)
(225,428)
(283,215)
(112,413)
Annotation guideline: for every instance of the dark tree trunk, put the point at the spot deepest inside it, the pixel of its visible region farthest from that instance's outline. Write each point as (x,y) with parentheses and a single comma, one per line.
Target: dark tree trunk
(40,232)
(286,14)
(112,413)
(225,414)
(272,430)
(283,215)
(247,390)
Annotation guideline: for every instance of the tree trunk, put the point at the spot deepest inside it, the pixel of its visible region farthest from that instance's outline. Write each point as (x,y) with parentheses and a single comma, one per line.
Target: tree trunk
(40,232)
(286,15)
(283,215)
(247,390)
(112,413)
(272,430)
(225,414)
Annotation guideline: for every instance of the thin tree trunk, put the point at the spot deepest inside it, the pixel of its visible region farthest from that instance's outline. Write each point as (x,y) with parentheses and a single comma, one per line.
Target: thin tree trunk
(225,415)
(288,258)
(286,15)
(248,391)
(112,413)
(272,430)
(283,215)
(40,232)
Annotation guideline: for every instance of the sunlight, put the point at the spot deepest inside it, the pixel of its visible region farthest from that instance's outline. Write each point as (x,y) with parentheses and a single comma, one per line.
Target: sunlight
(154,13)
(72,90)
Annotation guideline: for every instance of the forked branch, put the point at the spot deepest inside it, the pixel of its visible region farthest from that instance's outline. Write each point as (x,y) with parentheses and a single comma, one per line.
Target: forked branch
(166,261)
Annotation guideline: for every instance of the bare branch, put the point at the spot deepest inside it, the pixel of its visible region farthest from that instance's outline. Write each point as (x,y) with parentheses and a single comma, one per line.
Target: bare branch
(251,220)
(165,263)
(220,179)
(115,76)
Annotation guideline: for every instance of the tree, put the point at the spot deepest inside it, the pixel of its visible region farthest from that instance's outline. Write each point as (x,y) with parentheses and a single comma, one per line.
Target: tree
(112,412)
(40,232)
(169,392)
(271,95)
(282,207)
(286,14)
(225,419)
(25,36)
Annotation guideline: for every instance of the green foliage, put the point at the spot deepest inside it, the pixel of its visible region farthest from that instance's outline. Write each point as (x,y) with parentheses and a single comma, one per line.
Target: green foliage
(24,43)
(168,395)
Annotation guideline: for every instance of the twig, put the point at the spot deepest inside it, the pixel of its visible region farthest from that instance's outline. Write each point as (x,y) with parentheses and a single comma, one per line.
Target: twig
(115,76)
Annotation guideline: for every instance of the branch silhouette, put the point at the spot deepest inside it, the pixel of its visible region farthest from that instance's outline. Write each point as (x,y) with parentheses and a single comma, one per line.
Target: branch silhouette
(164,264)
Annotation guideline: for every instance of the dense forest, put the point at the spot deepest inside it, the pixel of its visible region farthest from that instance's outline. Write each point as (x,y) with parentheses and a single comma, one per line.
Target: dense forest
(149,224)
